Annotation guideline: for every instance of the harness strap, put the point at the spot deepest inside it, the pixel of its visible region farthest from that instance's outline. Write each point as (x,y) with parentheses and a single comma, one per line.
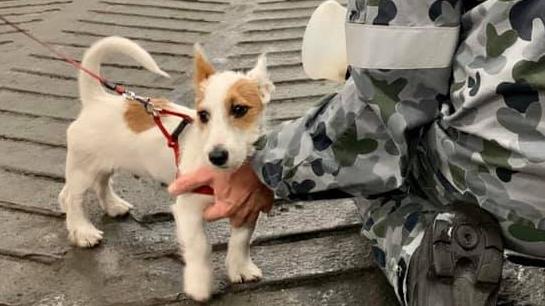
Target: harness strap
(172,142)
(179,129)
(186,117)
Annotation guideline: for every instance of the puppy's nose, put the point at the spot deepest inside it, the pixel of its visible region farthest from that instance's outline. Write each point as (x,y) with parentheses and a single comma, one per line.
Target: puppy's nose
(218,156)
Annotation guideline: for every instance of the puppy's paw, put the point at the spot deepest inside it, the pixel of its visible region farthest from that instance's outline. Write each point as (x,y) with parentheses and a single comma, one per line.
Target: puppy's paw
(243,271)
(198,282)
(118,208)
(85,236)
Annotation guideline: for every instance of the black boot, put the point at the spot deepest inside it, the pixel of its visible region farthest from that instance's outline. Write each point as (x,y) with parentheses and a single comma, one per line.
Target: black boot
(459,262)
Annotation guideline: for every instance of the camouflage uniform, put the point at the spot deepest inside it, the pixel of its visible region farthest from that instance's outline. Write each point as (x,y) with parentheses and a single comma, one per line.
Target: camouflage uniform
(408,142)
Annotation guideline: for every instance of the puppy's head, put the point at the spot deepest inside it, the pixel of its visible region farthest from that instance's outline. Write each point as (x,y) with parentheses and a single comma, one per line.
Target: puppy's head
(230,107)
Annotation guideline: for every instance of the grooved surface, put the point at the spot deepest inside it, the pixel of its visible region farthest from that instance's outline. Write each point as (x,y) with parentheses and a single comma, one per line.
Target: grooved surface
(311,253)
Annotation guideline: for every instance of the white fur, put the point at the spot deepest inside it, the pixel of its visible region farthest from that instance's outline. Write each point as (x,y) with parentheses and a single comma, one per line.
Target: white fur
(239,264)
(99,142)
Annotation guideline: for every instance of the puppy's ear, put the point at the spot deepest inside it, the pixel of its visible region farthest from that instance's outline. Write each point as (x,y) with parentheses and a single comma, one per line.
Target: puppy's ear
(260,74)
(203,69)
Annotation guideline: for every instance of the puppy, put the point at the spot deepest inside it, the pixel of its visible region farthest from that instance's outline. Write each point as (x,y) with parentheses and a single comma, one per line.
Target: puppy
(111,133)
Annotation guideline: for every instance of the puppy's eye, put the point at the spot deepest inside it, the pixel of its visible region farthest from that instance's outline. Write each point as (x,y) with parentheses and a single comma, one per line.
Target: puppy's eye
(239,111)
(204,116)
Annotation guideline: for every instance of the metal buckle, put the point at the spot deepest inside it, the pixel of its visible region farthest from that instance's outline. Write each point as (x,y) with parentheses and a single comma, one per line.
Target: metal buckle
(145,101)
(151,108)
(129,95)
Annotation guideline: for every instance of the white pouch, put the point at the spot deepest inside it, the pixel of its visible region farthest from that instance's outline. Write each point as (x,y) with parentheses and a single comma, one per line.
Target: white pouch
(324,43)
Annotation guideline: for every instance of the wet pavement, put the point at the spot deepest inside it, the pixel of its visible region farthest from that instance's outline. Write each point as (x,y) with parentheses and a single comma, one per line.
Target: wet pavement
(311,253)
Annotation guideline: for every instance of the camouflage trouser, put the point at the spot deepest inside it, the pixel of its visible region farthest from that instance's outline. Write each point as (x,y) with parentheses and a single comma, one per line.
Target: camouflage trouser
(409,141)
(395,226)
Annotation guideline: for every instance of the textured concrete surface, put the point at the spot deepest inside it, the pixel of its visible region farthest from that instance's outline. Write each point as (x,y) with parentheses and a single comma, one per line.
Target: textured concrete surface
(311,253)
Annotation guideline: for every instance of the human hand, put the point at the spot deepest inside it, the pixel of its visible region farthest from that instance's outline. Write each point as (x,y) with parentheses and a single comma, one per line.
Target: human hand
(239,195)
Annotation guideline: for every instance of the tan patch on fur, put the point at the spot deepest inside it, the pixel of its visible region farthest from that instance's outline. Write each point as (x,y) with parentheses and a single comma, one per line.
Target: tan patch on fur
(136,117)
(244,92)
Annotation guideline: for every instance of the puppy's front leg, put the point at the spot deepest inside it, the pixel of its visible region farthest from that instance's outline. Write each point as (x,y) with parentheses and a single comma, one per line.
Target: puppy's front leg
(188,213)
(239,264)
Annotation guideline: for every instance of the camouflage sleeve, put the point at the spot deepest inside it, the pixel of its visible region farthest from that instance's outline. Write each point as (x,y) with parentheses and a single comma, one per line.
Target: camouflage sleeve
(358,142)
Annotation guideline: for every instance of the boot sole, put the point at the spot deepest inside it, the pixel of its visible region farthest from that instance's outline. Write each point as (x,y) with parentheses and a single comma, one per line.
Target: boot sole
(470,254)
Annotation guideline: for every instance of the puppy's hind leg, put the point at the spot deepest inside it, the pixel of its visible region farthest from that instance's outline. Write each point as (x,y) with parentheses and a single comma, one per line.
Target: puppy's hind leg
(239,264)
(108,199)
(196,250)
(81,231)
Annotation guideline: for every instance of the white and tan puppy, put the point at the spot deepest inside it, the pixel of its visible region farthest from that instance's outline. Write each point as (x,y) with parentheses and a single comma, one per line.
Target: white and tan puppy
(111,133)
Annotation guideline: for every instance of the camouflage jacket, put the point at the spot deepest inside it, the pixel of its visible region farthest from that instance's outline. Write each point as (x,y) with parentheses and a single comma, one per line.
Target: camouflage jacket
(471,130)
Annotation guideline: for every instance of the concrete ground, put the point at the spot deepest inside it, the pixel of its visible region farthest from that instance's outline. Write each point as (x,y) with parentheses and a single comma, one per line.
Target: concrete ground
(311,253)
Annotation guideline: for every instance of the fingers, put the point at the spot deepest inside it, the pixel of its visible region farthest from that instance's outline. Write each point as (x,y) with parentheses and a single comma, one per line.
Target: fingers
(249,218)
(239,196)
(258,201)
(217,211)
(186,183)
(226,208)
(243,208)
(236,211)
(266,199)
(241,215)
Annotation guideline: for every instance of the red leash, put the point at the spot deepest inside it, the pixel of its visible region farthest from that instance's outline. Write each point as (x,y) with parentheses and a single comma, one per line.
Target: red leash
(153,110)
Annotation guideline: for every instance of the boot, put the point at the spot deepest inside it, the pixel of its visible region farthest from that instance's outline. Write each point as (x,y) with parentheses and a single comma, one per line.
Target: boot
(459,262)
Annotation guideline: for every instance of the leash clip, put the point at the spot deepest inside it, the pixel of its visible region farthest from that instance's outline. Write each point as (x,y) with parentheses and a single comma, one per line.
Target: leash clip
(145,101)
(152,109)
(129,95)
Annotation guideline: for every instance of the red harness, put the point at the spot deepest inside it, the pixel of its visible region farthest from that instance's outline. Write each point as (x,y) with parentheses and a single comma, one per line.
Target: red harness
(153,110)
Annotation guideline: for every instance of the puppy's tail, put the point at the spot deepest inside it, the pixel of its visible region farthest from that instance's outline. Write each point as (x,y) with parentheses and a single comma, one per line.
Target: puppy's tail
(89,88)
